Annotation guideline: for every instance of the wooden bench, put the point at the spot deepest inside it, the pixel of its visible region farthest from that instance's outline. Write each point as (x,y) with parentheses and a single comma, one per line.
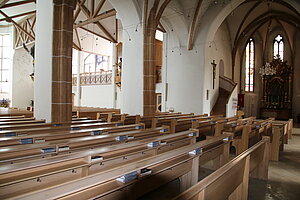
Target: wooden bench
(165,167)
(17,119)
(11,117)
(25,122)
(245,136)
(150,122)
(52,129)
(91,112)
(173,122)
(14,175)
(11,153)
(232,180)
(46,137)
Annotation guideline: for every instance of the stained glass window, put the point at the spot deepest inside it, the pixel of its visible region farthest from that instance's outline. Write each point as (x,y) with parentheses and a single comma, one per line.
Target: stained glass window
(278,46)
(249,66)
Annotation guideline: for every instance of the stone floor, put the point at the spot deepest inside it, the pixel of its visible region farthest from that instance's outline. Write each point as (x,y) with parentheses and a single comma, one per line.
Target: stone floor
(283,183)
(284,176)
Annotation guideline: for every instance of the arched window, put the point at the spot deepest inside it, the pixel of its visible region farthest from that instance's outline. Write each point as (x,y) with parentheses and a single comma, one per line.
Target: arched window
(278,46)
(249,66)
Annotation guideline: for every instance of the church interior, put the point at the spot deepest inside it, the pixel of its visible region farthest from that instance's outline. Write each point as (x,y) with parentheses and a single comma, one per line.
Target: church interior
(150,99)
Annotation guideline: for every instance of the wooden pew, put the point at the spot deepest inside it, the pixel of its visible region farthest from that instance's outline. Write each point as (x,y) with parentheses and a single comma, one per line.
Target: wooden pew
(288,126)
(17,119)
(170,165)
(245,136)
(185,124)
(52,129)
(150,122)
(124,118)
(19,122)
(46,137)
(9,153)
(173,121)
(7,112)
(19,173)
(91,112)
(279,135)
(11,117)
(231,181)
(41,123)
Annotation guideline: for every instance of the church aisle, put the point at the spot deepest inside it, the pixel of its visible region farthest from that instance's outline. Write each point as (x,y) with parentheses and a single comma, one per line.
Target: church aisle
(284,176)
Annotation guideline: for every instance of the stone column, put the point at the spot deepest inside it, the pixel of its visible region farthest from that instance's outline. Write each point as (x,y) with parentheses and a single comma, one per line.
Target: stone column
(62,60)
(43,60)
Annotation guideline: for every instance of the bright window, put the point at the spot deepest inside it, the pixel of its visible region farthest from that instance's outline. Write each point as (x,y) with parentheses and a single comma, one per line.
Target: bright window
(249,66)
(4,63)
(96,63)
(278,46)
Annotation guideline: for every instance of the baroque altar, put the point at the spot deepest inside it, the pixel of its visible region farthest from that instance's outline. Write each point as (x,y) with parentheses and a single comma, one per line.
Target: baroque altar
(277,89)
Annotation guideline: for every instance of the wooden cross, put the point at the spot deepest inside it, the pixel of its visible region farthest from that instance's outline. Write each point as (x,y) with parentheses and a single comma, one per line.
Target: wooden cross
(214,72)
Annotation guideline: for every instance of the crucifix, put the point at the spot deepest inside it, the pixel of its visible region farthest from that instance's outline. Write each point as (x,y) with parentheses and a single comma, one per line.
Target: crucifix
(214,73)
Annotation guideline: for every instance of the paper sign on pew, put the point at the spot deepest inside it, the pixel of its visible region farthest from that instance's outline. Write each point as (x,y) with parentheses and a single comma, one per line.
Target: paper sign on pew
(63,148)
(39,140)
(164,130)
(193,134)
(96,158)
(96,132)
(128,177)
(48,150)
(154,144)
(196,151)
(121,138)
(145,172)
(26,141)
(139,127)
(11,134)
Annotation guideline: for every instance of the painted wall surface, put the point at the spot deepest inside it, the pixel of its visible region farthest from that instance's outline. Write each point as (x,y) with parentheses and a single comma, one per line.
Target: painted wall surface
(184,80)
(97,96)
(132,53)
(43,60)
(22,85)
(220,51)
(296,83)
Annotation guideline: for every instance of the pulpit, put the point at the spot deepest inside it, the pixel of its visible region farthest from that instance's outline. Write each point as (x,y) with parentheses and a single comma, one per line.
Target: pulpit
(277,90)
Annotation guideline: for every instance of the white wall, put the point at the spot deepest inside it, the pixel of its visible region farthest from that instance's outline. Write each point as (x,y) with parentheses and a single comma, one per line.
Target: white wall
(220,49)
(97,96)
(22,85)
(43,60)
(132,66)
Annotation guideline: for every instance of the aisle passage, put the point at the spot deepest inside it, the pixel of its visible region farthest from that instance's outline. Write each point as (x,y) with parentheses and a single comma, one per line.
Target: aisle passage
(284,176)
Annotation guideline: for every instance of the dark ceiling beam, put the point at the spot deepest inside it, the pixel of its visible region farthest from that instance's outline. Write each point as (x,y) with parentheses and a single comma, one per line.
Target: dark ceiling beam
(8,5)
(87,14)
(16,24)
(19,15)
(97,34)
(78,9)
(100,5)
(3,2)
(104,15)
